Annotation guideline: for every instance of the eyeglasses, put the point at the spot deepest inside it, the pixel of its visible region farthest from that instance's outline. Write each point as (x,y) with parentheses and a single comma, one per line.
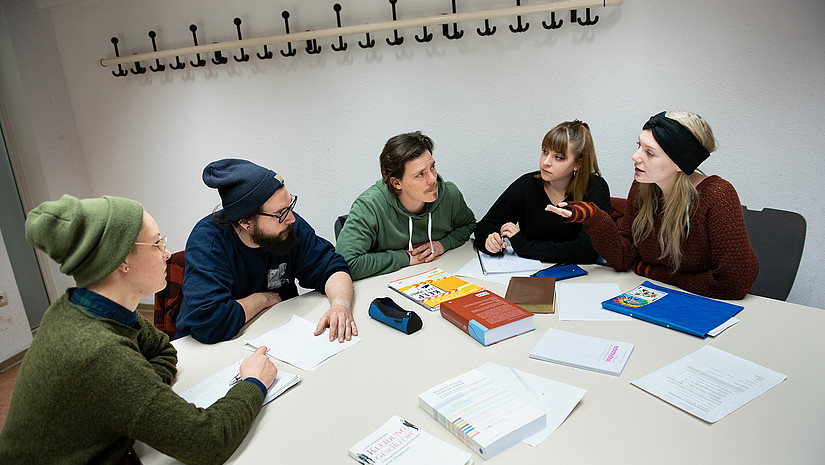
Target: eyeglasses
(284,213)
(160,244)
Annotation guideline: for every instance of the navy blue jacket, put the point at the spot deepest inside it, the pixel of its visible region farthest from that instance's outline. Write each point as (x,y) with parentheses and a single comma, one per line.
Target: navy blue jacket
(220,269)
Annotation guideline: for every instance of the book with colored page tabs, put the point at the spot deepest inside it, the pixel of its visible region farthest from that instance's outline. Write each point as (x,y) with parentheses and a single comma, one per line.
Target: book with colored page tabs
(430,288)
(487,317)
(485,415)
(674,309)
(400,442)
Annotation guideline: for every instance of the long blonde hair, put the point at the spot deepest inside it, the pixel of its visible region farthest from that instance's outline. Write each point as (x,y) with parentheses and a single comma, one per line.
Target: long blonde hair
(576,134)
(679,205)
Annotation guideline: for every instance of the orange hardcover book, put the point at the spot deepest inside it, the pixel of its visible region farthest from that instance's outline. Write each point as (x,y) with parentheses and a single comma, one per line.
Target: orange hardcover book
(487,317)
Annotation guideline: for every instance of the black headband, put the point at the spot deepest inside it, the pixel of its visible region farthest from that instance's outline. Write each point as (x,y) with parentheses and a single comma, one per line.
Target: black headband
(678,142)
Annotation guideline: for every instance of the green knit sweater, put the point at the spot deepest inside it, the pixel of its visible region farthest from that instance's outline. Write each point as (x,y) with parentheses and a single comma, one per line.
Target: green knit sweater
(377,232)
(88,387)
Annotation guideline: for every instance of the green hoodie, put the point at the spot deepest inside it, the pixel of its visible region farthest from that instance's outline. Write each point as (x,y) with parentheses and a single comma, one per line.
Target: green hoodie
(376,235)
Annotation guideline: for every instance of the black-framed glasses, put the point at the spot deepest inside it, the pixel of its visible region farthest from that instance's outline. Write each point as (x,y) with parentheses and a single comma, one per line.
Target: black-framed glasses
(161,243)
(284,212)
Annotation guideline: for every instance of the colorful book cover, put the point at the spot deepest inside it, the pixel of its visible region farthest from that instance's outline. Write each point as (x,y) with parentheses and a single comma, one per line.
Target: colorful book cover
(431,287)
(400,442)
(482,413)
(674,309)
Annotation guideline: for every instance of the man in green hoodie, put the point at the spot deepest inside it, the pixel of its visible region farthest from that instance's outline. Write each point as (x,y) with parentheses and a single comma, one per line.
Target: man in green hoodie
(408,217)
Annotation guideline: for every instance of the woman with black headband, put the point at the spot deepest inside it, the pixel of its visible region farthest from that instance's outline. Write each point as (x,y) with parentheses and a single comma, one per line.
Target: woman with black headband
(681,226)
(567,171)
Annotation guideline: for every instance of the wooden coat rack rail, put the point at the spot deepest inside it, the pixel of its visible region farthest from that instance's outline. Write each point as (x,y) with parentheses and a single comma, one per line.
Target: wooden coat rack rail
(444,19)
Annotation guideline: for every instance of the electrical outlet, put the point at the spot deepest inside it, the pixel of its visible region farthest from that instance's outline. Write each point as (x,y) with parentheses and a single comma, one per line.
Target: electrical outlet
(3,299)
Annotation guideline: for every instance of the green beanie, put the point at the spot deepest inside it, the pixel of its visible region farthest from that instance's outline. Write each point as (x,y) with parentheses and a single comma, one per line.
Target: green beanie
(89,238)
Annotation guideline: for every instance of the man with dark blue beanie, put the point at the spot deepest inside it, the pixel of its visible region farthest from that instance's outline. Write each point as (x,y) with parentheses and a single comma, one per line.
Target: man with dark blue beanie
(246,257)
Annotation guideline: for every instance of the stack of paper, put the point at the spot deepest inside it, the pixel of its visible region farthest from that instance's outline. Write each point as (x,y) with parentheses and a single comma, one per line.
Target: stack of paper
(710,383)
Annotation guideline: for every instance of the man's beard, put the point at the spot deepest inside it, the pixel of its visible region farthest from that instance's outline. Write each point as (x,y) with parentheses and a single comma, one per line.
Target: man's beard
(280,244)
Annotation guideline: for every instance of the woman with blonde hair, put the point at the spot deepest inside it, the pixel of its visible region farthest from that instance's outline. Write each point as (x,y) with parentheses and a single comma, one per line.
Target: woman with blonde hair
(98,375)
(681,227)
(568,171)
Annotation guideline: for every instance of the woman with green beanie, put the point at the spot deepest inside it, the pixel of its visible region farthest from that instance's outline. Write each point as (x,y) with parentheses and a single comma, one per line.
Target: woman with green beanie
(97,376)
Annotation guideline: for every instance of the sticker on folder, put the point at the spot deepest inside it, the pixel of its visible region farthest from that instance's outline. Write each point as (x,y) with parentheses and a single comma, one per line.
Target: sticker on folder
(638,297)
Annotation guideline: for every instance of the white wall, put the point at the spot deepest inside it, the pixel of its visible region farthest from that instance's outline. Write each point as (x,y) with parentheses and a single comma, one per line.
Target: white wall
(753,69)
(15,334)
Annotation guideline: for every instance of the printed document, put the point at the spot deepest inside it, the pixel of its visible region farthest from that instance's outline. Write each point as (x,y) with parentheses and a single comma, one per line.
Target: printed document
(583,301)
(710,383)
(295,344)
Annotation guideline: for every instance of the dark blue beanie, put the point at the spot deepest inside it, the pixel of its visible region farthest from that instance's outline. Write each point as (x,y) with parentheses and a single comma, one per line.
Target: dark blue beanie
(243,185)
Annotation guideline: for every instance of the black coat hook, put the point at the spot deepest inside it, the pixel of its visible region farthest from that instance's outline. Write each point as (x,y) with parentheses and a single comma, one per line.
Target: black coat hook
(397,40)
(120,71)
(291,51)
(553,24)
(267,54)
(519,27)
(138,69)
(244,56)
(488,31)
(219,58)
(158,66)
(312,46)
(370,42)
(456,34)
(428,36)
(341,44)
(587,21)
(178,64)
(201,61)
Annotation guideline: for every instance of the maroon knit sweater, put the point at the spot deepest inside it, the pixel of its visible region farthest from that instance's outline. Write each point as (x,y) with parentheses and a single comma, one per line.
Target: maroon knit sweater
(717,258)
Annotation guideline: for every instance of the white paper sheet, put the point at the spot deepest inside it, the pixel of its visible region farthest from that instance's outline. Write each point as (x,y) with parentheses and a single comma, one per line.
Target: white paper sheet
(294,343)
(583,301)
(556,399)
(216,386)
(710,383)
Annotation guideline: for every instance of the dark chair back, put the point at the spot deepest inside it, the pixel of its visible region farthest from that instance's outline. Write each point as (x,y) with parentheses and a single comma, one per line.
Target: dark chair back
(777,237)
(339,224)
(168,301)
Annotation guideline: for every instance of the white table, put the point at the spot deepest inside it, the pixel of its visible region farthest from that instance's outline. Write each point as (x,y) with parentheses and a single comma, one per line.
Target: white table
(341,402)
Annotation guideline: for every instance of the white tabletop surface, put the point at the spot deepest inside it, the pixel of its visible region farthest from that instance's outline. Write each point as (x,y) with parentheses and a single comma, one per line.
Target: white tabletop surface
(352,394)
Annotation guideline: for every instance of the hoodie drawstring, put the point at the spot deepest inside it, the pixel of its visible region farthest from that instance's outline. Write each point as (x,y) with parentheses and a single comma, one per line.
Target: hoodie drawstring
(429,232)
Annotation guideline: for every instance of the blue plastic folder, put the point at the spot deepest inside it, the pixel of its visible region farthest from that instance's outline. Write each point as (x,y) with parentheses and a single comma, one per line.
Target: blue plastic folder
(682,311)
(561,272)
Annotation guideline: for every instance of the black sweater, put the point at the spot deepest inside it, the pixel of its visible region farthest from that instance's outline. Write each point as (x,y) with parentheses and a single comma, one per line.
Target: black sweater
(544,235)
